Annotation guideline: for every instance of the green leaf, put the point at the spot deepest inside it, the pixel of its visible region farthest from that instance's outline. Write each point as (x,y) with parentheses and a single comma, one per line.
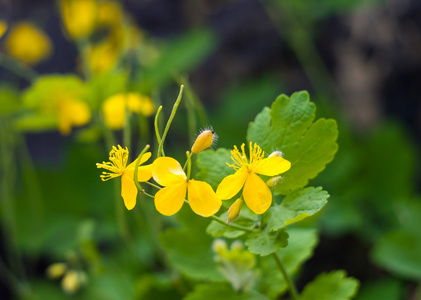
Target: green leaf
(181,55)
(219,290)
(9,100)
(213,166)
(47,89)
(246,218)
(400,252)
(295,207)
(390,289)
(301,243)
(331,286)
(189,249)
(36,122)
(265,243)
(288,126)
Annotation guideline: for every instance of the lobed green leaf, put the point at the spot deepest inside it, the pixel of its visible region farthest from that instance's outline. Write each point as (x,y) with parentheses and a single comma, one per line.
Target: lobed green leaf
(265,242)
(219,290)
(301,243)
(213,166)
(331,286)
(288,126)
(296,206)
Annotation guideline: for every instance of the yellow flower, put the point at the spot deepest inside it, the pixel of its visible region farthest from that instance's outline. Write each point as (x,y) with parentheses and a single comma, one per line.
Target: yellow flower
(117,167)
(79,17)
(28,43)
(101,57)
(114,108)
(72,112)
(256,193)
(3,27)
(169,200)
(110,14)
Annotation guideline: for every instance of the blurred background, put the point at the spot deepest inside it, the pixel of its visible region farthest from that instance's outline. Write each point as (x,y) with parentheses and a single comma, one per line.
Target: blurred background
(360,60)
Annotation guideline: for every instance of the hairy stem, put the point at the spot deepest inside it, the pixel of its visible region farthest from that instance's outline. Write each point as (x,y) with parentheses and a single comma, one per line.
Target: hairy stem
(291,286)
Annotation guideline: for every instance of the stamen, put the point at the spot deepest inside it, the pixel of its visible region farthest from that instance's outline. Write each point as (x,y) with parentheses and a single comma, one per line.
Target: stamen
(118,161)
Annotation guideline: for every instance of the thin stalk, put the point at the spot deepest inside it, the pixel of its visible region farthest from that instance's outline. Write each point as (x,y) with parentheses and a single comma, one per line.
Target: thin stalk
(167,127)
(231,225)
(136,167)
(18,68)
(158,136)
(291,286)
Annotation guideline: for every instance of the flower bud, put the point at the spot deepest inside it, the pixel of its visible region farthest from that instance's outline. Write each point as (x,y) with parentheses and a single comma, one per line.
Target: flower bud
(219,246)
(274,181)
(71,282)
(237,245)
(56,270)
(234,210)
(276,153)
(204,140)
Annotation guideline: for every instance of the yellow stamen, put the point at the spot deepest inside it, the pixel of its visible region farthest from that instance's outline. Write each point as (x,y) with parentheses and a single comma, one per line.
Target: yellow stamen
(256,155)
(118,158)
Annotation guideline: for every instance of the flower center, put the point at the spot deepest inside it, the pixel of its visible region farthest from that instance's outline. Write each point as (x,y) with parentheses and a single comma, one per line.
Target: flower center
(240,159)
(117,165)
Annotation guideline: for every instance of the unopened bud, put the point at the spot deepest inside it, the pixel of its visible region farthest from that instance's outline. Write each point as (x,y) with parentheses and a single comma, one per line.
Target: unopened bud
(276,153)
(219,246)
(204,140)
(71,282)
(56,270)
(237,245)
(274,181)
(234,210)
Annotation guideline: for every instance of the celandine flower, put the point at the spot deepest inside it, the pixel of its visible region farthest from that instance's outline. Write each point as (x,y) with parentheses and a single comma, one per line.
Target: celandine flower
(169,200)
(117,167)
(256,193)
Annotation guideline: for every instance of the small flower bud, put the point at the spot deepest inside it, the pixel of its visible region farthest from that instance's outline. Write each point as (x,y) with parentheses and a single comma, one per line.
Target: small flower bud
(274,181)
(276,153)
(71,282)
(234,210)
(219,246)
(204,140)
(56,270)
(237,245)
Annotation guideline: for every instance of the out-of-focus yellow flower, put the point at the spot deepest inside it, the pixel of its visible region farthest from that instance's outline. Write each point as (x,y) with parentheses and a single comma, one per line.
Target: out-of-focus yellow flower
(101,57)
(110,14)
(59,97)
(79,17)
(28,43)
(114,108)
(56,270)
(3,27)
(256,193)
(169,200)
(117,167)
(72,112)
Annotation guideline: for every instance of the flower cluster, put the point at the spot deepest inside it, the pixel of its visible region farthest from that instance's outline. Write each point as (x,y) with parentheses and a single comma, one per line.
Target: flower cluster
(203,200)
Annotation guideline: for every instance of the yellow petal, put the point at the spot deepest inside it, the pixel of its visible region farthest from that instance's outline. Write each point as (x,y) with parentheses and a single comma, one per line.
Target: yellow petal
(167,171)
(169,200)
(256,194)
(272,166)
(114,112)
(232,184)
(202,199)
(128,191)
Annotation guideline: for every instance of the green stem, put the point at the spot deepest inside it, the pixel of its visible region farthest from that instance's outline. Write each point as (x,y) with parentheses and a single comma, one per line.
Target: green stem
(167,127)
(231,225)
(136,182)
(291,286)
(153,185)
(189,155)
(126,129)
(18,68)
(158,136)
